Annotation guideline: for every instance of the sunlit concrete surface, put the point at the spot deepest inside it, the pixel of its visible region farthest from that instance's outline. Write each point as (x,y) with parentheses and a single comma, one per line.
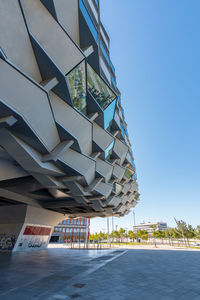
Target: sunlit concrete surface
(106,274)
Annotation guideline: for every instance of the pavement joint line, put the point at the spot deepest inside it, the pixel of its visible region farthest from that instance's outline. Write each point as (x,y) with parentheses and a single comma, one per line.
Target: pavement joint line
(93,269)
(72,280)
(26,285)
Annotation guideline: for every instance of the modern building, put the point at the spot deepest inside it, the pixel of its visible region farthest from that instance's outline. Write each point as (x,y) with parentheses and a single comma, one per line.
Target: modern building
(150,227)
(71,230)
(64,145)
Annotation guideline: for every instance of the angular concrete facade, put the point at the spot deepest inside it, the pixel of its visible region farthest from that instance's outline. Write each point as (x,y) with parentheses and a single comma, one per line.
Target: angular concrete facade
(64,145)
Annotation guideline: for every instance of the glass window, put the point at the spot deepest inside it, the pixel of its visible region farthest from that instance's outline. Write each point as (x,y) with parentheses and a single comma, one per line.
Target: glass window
(134,176)
(128,173)
(117,187)
(109,115)
(114,82)
(108,151)
(132,161)
(88,20)
(122,111)
(107,57)
(105,52)
(112,67)
(122,131)
(99,89)
(77,84)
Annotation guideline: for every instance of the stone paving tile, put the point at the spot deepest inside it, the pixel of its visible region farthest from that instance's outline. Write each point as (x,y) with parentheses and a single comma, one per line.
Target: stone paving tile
(133,275)
(147,275)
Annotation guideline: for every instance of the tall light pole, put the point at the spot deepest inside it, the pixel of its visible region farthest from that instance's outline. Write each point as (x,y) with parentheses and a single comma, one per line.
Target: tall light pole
(112,224)
(108,238)
(134,217)
(112,229)
(126,228)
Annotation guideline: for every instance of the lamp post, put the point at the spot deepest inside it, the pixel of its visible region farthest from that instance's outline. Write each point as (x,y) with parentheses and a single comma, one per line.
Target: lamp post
(112,229)
(126,228)
(108,238)
(134,217)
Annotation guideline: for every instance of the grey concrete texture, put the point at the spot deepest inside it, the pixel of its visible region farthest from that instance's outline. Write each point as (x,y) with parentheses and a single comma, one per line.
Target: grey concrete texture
(100,274)
(52,154)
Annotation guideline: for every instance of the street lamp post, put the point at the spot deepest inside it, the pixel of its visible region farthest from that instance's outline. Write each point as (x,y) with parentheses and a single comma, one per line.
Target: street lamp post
(134,217)
(113,230)
(108,238)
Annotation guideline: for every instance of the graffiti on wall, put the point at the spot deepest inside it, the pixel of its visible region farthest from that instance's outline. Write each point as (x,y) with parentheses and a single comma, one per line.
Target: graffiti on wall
(34,237)
(33,242)
(7,242)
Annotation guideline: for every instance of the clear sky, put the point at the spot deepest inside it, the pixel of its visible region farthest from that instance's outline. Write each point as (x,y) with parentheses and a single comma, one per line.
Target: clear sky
(155,48)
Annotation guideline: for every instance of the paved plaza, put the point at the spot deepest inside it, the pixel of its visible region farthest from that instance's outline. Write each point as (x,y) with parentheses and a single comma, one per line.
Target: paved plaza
(100,274)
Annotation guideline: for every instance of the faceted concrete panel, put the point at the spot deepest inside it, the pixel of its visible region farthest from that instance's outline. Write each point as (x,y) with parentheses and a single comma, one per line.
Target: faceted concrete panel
(102,138)
(14,39)
(81,163)
(117,119)
(51,36)
(128,157)
(4,154)
(28,158)
(104,168)
(9,170)
(30,102)
(97,206)
(126,188)
(67,15)
(118,172)
(134,187)
(104,189)
(120,149)
(73,121)
(58,143)
(114,201)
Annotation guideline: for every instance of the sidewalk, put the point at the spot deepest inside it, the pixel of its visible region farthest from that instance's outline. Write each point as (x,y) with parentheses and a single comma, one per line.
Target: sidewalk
(141,247)
(130,274)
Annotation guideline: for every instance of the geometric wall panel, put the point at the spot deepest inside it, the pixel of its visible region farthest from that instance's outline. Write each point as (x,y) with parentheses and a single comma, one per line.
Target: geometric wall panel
(64,143)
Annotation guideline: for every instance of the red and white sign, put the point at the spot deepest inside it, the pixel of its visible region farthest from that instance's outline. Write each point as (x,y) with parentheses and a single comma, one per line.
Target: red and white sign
(33,237)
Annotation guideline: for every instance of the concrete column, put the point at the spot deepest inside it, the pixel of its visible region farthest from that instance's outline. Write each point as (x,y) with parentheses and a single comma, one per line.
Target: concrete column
(26,228)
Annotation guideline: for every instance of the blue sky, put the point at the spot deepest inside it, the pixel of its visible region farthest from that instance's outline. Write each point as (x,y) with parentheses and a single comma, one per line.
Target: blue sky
(155,48)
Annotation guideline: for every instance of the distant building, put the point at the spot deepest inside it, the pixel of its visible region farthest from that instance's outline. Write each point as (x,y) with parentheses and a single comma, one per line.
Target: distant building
(150,227)
(76,230)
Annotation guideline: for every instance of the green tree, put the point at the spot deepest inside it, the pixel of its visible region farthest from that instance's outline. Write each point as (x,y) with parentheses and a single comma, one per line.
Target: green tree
(167,235)
(186,230)
(143,234)
(132,235)
(197,232)
(116,235)
(122,233)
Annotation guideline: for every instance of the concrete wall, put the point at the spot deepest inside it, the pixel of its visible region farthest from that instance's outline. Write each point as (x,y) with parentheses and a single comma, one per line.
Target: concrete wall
(14,39)
(67,14)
